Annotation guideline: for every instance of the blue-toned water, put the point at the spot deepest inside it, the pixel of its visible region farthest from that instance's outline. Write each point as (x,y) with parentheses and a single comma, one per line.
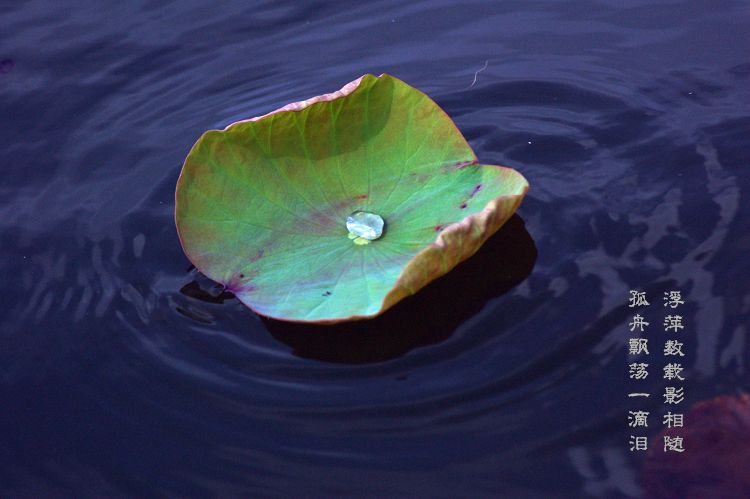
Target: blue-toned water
(125,373)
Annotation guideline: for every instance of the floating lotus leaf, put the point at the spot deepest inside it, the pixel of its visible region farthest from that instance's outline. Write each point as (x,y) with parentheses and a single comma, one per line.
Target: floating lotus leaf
(262,206)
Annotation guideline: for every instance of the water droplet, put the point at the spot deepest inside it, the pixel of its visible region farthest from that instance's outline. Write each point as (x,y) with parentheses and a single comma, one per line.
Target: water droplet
(365,225)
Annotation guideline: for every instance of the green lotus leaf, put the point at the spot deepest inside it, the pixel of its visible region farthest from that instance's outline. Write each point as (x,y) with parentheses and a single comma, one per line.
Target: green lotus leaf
(261,206)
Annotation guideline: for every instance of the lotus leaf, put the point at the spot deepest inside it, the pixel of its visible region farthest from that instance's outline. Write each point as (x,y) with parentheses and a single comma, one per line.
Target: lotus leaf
(262,206)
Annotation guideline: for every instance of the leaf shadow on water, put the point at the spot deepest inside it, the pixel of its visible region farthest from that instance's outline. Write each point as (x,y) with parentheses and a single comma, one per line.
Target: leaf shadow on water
(430,316)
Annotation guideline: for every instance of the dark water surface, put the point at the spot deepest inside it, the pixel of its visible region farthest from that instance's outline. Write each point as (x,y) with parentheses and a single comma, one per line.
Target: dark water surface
(123,372)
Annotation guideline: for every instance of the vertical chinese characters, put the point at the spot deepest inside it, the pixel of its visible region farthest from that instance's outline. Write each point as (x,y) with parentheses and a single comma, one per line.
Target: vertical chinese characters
(638,368)
(674,391)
